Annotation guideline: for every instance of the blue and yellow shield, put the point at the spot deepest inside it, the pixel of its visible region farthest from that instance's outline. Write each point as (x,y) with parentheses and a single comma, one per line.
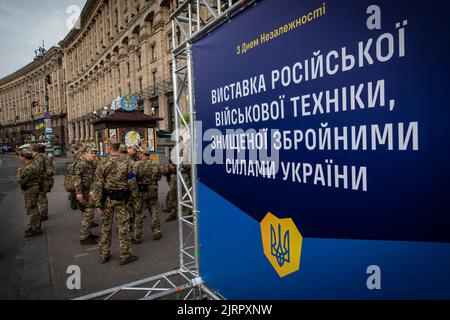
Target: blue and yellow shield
(282,243)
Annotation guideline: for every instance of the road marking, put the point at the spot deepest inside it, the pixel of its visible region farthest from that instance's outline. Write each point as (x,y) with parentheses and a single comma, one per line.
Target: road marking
(81,255)
(92,249)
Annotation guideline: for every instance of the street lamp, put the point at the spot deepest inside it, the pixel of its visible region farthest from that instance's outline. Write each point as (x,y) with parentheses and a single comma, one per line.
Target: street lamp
(29,91)
(40,54)
(105,112)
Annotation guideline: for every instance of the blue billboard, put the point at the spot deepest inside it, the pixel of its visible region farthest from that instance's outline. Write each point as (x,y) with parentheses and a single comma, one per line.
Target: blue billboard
(325,151)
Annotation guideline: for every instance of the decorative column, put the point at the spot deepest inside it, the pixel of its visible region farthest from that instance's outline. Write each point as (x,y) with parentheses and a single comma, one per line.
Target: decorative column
(92,132)
(71,137)
(82,131)
(77,132)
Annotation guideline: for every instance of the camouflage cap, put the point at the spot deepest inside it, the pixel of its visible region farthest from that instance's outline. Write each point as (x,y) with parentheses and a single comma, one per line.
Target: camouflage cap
(74,147)
(91,147)
(123,148)
(26,152)
(82,149)
(135,147)
(25,146)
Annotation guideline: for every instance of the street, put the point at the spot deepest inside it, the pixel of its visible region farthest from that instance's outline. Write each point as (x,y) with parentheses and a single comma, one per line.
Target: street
(36,268)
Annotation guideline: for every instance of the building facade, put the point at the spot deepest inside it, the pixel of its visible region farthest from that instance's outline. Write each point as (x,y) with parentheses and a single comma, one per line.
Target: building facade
(22,104)
(121,47)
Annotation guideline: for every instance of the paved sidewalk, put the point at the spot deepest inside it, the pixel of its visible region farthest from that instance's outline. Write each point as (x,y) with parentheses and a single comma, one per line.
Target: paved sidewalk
(37,268)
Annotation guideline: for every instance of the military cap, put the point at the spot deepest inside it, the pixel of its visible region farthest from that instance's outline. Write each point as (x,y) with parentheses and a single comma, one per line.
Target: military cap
(123,148)
(26,152)
(91,147)
(25,146)
(81,149)
(134,146)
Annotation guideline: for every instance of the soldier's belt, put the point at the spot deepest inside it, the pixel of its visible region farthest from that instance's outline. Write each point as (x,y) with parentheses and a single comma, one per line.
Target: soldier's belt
(118,195)
(26,188)
(143,187)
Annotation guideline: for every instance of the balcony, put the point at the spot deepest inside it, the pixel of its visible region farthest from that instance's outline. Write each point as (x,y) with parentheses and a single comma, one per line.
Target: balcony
(161,87)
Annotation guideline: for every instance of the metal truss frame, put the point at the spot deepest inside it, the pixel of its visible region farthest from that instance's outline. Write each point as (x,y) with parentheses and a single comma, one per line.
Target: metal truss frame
(191,20)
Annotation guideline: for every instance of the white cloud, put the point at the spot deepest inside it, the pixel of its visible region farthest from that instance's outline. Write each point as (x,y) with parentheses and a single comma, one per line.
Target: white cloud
(25,23)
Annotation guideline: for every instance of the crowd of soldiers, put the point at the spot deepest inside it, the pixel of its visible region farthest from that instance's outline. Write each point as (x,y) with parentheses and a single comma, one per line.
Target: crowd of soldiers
(120,186)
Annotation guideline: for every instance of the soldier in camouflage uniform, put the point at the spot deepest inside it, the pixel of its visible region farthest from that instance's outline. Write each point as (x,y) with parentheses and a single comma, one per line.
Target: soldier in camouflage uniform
(171,171)
(132,157)
(114,186)
(45,174)
(133,152)
(51,164)
(29,182)
(83,178)
(147,178)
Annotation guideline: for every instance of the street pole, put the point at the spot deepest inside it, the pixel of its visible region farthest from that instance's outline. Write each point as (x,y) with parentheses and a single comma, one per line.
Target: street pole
(30,93)
(40,53)
(45,80)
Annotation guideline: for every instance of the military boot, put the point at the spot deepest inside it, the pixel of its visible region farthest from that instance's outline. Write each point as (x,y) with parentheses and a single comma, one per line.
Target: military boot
(157,236)
(128,260)
(106,259)
(134,241)
(172,217)
(88,242)
(32,233)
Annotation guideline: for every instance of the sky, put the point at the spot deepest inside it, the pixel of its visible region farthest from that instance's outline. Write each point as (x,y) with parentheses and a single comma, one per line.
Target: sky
(25,23)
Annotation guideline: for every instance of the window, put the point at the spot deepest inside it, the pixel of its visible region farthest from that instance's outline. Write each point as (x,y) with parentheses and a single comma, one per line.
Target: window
(154,77)
(153,53)
(169,41)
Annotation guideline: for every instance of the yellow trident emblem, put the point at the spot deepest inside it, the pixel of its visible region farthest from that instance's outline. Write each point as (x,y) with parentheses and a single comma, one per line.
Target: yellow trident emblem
(282,243)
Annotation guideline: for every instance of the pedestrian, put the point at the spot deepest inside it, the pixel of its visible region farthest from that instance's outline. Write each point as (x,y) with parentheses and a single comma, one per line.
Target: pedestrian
(83,178)
(114,187)
(29,181)
(147,178)
(133,152)
(132,157)
(46,172)
(171,171)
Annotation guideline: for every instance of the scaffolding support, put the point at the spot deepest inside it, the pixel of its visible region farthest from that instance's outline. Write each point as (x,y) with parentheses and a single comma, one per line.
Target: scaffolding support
(191,20)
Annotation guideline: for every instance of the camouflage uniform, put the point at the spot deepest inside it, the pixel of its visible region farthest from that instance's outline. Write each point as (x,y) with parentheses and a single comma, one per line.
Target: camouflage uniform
(84,173)
(29,182)
(132,160)
(173,193)
(115,179)
(45,174)
(148,176)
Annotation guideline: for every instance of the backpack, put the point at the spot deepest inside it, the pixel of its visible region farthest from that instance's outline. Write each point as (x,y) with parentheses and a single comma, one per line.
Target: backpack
(68,179)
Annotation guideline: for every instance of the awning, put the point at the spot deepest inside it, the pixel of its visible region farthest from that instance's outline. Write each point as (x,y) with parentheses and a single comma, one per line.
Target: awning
(163,133)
